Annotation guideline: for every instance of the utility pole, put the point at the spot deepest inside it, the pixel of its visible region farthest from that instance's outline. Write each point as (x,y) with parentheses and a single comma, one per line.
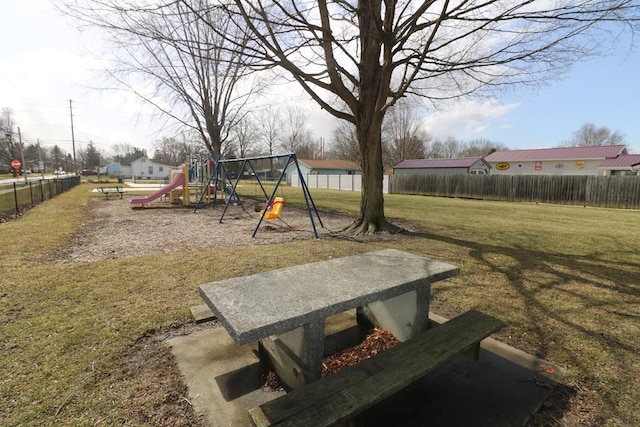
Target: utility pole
(24,166)
(73,139)
(9,135)
(40,162)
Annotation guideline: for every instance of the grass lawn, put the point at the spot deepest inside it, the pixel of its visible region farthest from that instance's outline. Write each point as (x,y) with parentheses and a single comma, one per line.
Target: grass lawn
(565,279)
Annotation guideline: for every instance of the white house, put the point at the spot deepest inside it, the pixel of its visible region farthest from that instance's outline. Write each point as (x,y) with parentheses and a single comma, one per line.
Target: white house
(116,169)
(144,168)
(553,161)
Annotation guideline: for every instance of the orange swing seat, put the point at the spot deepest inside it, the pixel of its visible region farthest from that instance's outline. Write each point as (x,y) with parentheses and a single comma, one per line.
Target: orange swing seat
(274,209)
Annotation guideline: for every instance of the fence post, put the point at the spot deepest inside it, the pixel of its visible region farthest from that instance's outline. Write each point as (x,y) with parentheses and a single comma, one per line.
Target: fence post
(15,198)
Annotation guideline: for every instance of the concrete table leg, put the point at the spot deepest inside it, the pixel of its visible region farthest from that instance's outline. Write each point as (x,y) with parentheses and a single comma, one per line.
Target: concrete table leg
(404,315)
(296,356)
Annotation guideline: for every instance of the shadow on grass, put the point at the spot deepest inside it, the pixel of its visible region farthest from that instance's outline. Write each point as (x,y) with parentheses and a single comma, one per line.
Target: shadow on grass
(578,308)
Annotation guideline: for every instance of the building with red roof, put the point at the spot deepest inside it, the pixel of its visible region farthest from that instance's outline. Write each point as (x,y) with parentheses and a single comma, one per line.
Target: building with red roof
(622,165)
(462,165)
(554,161)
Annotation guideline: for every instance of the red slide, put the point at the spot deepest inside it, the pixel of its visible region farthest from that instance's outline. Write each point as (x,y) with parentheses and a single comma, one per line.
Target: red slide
(177,182)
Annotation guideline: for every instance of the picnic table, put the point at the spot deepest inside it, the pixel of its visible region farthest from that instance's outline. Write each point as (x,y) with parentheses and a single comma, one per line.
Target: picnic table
(285,311)
(111,191)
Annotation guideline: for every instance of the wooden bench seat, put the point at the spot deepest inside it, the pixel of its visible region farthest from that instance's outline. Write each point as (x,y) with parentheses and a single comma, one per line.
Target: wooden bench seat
(349,392)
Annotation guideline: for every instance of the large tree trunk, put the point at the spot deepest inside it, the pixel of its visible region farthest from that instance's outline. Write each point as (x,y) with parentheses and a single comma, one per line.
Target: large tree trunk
(372,218)
(368,115)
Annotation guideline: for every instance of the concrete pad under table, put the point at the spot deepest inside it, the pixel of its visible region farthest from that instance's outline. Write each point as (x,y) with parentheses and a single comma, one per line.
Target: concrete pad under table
(499,389)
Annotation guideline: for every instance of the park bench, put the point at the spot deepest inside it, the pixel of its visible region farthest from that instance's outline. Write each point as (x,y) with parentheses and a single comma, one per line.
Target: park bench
(349,392)
(111,191)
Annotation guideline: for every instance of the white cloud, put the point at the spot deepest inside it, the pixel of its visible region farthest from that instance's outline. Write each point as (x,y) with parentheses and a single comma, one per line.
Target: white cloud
(44,64)
(468,119)
(37,86)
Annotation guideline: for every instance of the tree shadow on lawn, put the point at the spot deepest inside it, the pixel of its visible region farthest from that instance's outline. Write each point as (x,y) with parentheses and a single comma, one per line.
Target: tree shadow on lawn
(575,310)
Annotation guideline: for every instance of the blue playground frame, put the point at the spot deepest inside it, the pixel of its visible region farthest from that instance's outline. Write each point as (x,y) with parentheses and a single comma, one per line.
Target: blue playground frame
(221,176)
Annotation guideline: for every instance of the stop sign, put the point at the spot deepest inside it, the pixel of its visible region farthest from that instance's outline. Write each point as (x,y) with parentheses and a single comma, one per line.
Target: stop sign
(16,164)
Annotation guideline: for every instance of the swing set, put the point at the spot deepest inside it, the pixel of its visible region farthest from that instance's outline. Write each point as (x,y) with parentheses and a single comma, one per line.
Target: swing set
(223,178)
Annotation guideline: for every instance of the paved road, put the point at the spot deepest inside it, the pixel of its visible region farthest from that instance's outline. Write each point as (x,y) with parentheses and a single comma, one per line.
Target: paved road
(6,187)
(31,177)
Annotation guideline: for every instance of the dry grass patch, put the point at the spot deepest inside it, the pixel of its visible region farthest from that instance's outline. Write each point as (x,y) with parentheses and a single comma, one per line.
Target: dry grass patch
(81,342)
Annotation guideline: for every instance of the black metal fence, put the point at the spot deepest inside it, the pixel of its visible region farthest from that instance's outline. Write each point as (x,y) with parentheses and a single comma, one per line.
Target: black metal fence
(17,196)
(602,191)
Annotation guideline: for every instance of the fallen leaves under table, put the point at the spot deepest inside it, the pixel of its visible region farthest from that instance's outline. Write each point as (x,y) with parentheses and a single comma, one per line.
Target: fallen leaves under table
(377,340)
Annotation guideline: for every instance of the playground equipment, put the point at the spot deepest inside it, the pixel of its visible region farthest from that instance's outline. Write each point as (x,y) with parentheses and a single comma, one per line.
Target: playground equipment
(198,170)
(273,210)
(221,178)
(178,181)
(188,181)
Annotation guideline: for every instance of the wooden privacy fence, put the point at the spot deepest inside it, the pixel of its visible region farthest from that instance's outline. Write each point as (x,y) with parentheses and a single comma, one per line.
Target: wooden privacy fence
(601,191)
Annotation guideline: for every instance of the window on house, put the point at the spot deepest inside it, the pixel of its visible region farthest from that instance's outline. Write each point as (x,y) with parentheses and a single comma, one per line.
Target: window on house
(150,170)
(160,168)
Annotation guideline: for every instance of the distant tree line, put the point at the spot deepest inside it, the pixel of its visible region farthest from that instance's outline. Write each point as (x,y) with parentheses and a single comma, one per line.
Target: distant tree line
(272,130)
(589,135)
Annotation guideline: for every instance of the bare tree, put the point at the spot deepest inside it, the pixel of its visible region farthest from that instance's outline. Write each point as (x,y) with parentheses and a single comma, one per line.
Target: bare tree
(270,128)
(357,59)
(402,136)
(174,151)
(448,148)
(9,149)
(244,136)
(297,138)
(451,147)
(345,143)
(127,153)
(171,60)
(481,148)
(590,136)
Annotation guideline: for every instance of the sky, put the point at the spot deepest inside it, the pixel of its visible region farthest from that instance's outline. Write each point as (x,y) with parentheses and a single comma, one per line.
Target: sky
(45,63)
